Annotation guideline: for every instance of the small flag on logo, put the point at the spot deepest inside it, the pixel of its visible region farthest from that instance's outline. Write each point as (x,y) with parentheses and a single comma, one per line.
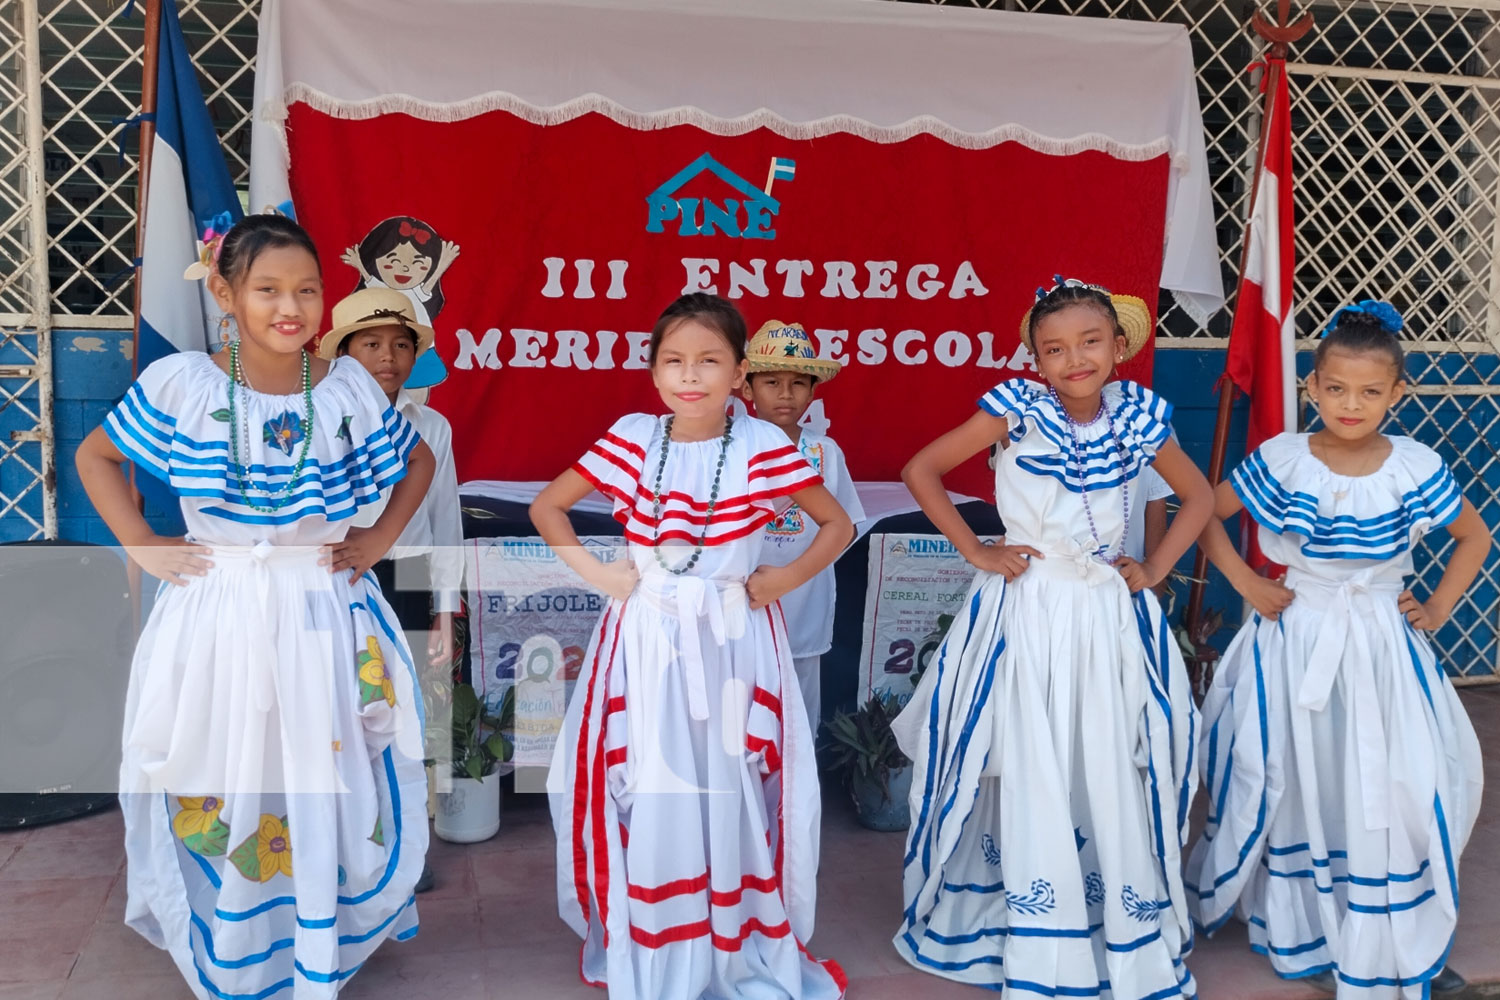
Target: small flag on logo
(781,169)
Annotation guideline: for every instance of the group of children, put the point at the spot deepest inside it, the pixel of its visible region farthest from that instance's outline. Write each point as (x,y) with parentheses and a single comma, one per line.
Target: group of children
(272,777)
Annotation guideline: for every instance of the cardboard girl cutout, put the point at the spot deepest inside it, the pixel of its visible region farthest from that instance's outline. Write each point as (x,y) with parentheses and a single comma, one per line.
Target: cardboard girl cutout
(407,255)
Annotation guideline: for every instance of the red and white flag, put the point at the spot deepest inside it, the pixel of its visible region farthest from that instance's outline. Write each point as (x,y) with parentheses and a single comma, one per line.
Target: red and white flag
(1262,348)
(1262,355)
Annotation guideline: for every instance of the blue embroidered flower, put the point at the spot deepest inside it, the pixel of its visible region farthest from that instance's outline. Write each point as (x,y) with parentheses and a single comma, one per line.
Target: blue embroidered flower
(991,852)
(284,432)
(1142,909)
(1039,900)
(1093,889)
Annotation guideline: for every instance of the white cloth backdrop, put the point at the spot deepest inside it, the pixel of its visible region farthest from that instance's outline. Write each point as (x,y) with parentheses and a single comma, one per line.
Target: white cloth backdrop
(800,67)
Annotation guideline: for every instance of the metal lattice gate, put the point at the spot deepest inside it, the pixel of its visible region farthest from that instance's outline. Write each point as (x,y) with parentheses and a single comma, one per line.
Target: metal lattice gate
(70,74)
(1396,118)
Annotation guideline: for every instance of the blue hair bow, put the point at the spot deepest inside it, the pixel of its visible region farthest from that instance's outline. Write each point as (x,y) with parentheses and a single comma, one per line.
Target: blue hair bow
(1382,312)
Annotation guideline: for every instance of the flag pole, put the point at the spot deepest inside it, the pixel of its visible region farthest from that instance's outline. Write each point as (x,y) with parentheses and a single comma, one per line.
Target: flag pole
(1280,35)
(149,63)
(150,58)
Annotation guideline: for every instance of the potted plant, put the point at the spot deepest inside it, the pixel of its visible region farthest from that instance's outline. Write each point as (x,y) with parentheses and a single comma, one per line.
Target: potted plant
(470,812)
(864,750)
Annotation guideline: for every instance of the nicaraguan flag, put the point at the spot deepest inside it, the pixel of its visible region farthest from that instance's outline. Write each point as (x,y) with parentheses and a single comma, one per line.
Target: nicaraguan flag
(189,192)
(783,169)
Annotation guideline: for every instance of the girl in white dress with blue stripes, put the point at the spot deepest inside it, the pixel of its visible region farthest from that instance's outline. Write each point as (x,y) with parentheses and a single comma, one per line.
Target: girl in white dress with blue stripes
(1343,775)
(272,780)
(1052,735)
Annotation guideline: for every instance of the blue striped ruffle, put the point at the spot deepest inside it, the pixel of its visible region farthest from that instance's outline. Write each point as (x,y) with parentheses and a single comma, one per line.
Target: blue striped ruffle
(334,488)
(1275,483)
(1142,419)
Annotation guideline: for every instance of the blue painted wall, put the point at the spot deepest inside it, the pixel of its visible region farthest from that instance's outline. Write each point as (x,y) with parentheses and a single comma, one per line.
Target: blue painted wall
(91,371)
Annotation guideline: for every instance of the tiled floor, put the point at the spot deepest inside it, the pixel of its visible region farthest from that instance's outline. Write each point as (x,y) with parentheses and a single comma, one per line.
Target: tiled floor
(490,928)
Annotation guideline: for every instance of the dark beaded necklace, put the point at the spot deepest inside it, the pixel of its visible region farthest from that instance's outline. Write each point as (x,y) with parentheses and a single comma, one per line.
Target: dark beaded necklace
(237,433)
(713,499)
(1083,486)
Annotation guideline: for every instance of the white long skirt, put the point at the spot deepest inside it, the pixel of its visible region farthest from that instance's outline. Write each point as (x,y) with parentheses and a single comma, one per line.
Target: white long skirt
(1344,779)
(272,779)
(1052,740)
(685,802)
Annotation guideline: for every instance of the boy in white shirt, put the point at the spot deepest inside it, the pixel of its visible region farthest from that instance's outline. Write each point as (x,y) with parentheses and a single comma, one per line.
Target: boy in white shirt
(422,575)
(784,374)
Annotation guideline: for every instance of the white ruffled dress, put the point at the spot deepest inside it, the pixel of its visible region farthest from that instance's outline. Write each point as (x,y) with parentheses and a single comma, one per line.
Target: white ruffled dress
(272,779)
(684,789)
(1344,777)
(1052,738)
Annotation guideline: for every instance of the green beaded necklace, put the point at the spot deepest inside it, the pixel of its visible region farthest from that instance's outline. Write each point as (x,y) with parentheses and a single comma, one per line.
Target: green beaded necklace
(713,499)
(239,432)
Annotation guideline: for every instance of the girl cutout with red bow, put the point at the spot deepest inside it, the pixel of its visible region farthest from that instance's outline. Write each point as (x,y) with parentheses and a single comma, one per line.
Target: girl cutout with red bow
(408,255)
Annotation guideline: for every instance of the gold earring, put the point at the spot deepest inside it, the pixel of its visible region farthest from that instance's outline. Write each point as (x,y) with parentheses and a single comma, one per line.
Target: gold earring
(224,328)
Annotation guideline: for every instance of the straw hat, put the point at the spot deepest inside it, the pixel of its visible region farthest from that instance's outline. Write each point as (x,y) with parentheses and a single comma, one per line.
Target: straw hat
(786,347)
(370,307)
(1135,317)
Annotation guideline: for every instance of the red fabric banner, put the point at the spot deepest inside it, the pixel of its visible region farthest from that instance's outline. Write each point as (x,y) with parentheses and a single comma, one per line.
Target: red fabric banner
(555,247)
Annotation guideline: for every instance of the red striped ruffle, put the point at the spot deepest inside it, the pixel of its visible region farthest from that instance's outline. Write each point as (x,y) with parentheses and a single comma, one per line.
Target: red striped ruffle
(615,465)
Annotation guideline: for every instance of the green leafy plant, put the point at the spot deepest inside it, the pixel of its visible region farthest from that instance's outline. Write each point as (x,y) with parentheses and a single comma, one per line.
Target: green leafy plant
(479,741)
(863,746)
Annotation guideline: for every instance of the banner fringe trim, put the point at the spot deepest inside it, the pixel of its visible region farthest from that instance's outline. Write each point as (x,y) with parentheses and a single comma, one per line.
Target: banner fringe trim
(276,115)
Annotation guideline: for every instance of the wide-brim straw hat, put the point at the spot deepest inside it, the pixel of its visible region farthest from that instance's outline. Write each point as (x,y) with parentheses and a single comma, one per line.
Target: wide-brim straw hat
(1135,320)
(371,307)
(786,347)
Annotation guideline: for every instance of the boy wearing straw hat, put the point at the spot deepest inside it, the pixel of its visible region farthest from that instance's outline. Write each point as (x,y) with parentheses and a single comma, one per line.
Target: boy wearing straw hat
(422,574)
(785,372)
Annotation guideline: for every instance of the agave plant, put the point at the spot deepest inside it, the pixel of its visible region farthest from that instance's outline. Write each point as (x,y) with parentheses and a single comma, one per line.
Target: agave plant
(863,747)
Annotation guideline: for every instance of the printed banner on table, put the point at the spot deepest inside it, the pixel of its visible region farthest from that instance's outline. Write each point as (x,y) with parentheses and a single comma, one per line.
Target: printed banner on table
(913,581)
(532,618)
(542,230)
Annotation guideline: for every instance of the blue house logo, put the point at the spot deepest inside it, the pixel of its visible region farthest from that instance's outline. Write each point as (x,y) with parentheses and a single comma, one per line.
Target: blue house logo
(749,216)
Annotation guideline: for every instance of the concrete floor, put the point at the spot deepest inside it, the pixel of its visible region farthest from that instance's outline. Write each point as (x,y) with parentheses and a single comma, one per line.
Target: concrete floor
(490,928)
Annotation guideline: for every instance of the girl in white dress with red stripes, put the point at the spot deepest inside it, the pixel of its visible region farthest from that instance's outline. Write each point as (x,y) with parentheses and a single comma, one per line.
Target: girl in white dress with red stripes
(684,790)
